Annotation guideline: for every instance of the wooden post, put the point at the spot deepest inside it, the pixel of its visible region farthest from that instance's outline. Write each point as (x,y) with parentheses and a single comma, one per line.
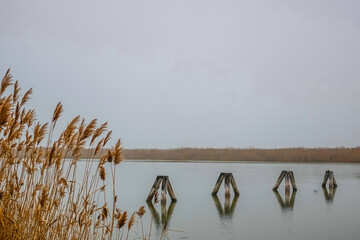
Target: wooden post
(227,186)
(326,176)
(218,184)
(287,183)
(292,179)
(333,176)
(289,176)
(329,175)
(277,184)
(165,186)
(164,190)
(154,188)
(171,191)
(228,179)
(332,181)
(233,184)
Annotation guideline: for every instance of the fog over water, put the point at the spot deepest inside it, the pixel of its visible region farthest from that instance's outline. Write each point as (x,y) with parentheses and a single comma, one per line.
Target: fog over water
(192,73)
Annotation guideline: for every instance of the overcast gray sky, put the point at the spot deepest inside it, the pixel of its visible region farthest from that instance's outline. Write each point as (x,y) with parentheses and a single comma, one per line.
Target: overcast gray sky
(192,73)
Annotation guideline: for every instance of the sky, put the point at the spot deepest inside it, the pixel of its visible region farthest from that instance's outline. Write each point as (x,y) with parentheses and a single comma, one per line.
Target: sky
(203,73)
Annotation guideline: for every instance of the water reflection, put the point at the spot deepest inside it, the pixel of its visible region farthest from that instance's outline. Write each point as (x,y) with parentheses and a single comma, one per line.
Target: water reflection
(329,195)
(289,201)
(165,213)
(229,207)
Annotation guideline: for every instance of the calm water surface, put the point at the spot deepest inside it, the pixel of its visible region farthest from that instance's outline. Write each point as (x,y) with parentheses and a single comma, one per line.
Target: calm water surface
(258,213)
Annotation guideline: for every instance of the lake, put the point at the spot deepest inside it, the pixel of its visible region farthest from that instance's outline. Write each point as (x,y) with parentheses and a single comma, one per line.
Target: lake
(258,213)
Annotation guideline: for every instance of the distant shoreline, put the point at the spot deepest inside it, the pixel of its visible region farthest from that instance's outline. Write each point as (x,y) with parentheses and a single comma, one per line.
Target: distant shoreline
(311,155)
(218,161)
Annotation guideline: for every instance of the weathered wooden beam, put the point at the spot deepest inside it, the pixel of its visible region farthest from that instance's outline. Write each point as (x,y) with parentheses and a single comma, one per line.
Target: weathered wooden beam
(227,185)
(278,182)
(326,176)
(335,184)
(218,184)
(233,184)
(164,189)
(332,181)
(292,179)
(154,188)
(287,182)
(171,191)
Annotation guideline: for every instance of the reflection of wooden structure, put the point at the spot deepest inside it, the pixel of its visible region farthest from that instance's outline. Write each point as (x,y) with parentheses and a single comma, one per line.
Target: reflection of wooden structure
(329,175)
(329,195)
(229,208)
(289,202)
(165,213)
(289,177)
(228,179)
(165,187)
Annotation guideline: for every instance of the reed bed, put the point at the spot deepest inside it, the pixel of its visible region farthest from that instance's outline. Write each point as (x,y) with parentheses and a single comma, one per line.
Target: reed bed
(40,195)
(340,155)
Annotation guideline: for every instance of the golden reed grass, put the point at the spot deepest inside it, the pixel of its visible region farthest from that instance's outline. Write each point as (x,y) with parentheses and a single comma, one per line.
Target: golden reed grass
(348,155)
(40,196)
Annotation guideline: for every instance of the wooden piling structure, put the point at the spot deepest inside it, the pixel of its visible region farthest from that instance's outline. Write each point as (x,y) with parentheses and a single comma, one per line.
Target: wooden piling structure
(289,177)
(228,179)
(329,175)
(165,188)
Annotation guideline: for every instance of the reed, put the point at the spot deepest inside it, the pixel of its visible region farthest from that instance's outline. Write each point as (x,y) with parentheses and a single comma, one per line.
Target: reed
(340,154)
(40,195)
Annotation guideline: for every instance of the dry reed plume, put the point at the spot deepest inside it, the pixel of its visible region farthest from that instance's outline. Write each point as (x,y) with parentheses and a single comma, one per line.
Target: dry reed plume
(40,196)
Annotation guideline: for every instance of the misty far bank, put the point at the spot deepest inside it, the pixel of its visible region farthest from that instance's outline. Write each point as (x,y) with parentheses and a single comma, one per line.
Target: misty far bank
(341,155)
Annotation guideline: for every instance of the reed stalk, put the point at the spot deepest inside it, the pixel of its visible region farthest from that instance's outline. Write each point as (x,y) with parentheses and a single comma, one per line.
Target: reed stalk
(40,195)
